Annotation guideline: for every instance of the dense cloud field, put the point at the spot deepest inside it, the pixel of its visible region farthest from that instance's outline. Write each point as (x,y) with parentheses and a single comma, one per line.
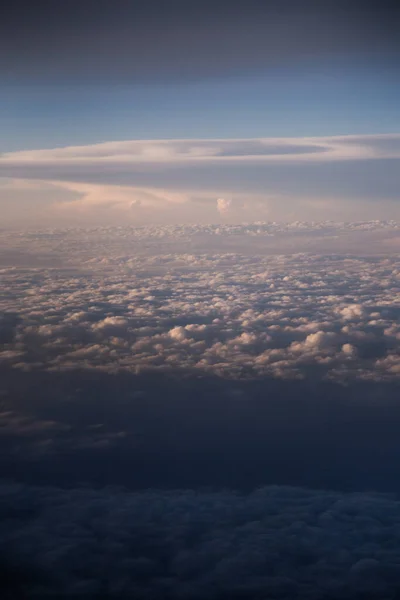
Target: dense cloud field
(276,542)
(244,365)
(230,314)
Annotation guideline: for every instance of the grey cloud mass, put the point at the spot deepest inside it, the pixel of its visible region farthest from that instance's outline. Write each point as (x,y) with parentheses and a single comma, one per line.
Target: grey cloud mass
(280,541)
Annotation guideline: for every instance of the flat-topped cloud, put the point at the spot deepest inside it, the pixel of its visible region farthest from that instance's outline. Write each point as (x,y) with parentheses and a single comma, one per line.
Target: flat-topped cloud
(147,152)
(165,181)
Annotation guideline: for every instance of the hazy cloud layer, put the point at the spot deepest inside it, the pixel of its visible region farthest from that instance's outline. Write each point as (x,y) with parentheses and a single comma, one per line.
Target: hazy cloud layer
(182,180)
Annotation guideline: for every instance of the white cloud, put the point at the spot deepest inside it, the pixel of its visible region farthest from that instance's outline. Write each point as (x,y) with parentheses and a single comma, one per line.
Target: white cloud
(178,333)
(351,312)
(223,205)
(287,149)
(179,180)
(116,197)
(348,349)
(148,304)
(111,323)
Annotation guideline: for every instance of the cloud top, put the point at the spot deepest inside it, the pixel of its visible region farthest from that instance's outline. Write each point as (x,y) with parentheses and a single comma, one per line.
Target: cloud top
(211,150)
(317,177)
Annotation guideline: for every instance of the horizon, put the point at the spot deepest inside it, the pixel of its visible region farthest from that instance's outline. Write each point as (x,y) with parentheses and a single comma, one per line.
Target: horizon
(200,299)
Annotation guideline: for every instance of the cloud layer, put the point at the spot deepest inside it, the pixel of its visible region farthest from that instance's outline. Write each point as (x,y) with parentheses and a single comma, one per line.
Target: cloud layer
(148,304)
(283,542)
(182,180)
(148,152)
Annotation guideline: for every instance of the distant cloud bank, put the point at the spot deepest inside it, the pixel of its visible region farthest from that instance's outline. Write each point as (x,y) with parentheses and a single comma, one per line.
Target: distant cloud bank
(166,181)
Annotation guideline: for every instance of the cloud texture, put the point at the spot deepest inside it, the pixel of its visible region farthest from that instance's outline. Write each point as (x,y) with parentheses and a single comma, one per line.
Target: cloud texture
(280,541)
(278,308)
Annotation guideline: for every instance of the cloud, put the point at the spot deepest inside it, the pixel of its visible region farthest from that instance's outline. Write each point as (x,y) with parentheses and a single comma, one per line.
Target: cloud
(223,205)
(178,180)
(216,151)
(117,198)
(288,541)
(348,349)
(29,202)
(275,310)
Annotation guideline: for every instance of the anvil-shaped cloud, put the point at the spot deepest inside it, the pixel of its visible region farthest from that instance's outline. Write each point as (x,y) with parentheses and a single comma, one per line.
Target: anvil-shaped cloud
(214,150)
(303,177)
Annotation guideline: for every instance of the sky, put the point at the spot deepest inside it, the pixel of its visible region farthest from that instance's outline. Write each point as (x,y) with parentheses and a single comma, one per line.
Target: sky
(91,77)
(168,321)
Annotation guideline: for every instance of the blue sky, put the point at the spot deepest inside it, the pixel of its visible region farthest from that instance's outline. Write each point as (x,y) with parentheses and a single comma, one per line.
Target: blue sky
(318,98)
(263,72)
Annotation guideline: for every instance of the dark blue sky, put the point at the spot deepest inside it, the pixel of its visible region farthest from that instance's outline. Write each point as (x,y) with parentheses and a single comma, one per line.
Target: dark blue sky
(81,72)
(314,99)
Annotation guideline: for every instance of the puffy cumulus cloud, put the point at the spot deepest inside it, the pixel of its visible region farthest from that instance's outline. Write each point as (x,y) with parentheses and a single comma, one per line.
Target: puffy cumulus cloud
(314,342)
(111,323)
(140,302)
(351,312)
(178,333)
(223,205)
(280,541)
(349,349)
(238,206)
